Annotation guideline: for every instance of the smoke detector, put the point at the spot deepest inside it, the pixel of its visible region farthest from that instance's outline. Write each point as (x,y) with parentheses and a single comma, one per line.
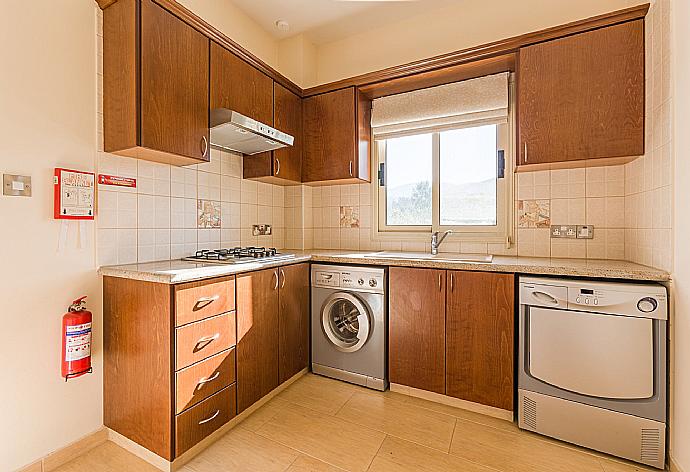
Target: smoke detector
(282,25)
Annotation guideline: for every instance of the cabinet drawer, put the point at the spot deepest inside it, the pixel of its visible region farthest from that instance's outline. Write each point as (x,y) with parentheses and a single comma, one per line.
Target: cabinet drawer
(201,380)
(201,420)
(195,301)
(197,341)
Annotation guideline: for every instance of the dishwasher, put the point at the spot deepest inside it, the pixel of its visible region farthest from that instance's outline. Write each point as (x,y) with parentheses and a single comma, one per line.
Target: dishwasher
(592,365)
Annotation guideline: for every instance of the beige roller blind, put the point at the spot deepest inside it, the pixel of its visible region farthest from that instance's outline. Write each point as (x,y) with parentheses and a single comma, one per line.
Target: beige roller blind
(474,100)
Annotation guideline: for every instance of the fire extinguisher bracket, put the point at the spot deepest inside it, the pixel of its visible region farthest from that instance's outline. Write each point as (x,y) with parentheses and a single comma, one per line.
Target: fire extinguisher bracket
(77,374)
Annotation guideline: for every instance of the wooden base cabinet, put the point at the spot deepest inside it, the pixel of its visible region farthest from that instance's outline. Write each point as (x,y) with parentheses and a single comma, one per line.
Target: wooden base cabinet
(169,361)
(417,328)
(272,330)
(479,337)
(451,332)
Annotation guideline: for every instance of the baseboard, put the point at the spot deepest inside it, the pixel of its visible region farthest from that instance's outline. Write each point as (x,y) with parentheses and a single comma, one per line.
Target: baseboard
(452,401)
(65,454)
(167,466)
(673,466)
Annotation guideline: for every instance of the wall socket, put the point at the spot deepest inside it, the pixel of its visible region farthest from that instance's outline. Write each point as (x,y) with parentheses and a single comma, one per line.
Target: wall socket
(261,230)
(572,231)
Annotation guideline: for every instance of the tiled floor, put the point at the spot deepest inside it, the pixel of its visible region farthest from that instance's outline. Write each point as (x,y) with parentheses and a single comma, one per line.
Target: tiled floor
(323,425)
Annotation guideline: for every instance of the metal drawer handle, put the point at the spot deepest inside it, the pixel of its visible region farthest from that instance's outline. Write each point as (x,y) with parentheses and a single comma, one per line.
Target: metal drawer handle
(203,302)
(204,146)
(275,274)
(451,281)
(277,166)
(205,341)
(210,418)
(439,282)
(351,172)
(282,275)
(203,381)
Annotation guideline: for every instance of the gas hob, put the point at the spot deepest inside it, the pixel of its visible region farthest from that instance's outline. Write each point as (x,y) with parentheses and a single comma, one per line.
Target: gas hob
(238,255)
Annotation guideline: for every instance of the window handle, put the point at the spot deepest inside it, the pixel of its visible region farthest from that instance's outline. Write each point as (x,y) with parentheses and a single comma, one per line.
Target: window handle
(382,174)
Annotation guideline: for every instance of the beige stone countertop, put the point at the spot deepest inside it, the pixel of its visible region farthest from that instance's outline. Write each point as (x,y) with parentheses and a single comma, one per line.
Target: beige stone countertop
(178,271)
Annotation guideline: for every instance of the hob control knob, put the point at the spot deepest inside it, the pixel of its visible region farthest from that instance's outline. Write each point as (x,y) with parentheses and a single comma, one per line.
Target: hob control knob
(372,282)
(647,305)
(360,281)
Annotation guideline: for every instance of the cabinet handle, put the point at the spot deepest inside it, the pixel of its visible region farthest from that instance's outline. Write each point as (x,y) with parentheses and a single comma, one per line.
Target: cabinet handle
(275,274)
(282,275)
(351,175)
(451,282)
(440,282)
(203,302)
(525,153)
(277,166)
(210,418)
(204,146)
(205,341)
(203,381)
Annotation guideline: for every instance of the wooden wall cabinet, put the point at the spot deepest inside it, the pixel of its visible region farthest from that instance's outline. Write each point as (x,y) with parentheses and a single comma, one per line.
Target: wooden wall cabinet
(582,97)
(451,332)
(337,137)
(282,166)
(272,330)
(155,85)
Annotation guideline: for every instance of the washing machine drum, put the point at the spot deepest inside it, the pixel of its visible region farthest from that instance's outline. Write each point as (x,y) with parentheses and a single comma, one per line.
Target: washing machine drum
(346,322)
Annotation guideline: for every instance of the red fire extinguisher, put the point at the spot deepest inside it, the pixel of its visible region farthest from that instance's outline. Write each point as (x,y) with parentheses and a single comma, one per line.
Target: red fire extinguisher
(76,340)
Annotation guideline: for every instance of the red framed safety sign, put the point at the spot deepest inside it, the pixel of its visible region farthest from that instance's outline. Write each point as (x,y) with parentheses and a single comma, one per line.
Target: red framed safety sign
(74,194)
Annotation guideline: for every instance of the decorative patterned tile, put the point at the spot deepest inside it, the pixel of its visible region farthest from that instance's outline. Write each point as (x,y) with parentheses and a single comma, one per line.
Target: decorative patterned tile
(534,213)
(208,214)
(349,217)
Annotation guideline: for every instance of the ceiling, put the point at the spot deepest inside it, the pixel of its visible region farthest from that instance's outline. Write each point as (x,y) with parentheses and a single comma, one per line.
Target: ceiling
(323,21)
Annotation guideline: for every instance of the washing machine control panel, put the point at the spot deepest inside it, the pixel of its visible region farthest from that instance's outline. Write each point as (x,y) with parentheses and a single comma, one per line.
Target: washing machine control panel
(355,278)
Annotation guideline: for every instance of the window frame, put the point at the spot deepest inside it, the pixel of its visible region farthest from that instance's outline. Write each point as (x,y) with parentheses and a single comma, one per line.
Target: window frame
(502,232)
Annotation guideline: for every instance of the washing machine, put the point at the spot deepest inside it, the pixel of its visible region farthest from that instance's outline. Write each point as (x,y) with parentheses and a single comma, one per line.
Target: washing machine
(349,324)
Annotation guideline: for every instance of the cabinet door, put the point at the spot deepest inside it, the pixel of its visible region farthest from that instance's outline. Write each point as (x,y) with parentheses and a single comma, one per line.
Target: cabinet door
(417,328)
(257,336)
(479,338)
(582,96)
(294,320)
(287,162)
(240,87)
(329,136)
(174,84)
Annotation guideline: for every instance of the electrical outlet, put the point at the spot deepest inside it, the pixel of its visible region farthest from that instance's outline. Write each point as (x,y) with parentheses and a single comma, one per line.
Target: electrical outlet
(585,232)
(261,230)
(563,231)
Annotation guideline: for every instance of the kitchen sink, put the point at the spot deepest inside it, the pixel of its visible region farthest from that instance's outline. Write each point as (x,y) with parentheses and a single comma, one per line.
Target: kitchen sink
(425,256)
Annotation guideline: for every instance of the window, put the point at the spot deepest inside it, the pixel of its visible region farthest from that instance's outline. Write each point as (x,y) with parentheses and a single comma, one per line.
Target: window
(446,179)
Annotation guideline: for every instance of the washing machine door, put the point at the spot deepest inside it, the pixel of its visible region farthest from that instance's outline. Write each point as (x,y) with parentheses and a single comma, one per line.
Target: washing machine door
(346,321)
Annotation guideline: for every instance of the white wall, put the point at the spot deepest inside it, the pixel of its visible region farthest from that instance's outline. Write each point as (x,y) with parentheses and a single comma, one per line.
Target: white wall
(47,119)
(462,25)
(680,57)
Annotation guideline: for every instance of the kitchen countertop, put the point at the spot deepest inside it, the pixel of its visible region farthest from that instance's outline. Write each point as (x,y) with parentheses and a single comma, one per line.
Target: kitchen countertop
(178,271)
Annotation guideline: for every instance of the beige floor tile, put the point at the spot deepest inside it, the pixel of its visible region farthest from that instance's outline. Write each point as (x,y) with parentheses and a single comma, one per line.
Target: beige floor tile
(319,393)
(263,414)
(398,455)
(616,466)
(241,450)
(108,457)
(464,414)
(332,440)
(516,451)
(309,464)
(400,419)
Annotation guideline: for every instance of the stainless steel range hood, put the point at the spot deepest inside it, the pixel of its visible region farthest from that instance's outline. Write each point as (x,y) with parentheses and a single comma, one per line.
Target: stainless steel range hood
(235,132)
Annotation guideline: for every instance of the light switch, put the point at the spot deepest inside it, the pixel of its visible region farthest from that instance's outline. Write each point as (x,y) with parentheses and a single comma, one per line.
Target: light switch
(16,185)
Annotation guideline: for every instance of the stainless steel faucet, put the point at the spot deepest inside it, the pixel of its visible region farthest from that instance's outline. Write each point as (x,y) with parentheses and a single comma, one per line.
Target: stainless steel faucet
(436,241)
